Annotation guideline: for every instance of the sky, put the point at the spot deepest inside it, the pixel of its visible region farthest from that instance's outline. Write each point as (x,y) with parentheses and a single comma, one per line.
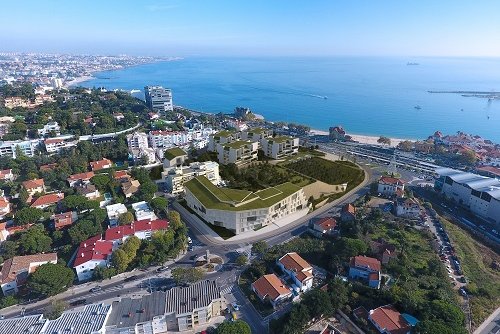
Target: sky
(257,27)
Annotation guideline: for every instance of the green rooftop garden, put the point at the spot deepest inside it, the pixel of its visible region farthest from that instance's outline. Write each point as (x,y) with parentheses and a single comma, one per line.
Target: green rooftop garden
(174,152)
(228,199)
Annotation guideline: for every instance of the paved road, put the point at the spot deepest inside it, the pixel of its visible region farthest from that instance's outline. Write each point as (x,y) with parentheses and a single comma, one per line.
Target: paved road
(490,325)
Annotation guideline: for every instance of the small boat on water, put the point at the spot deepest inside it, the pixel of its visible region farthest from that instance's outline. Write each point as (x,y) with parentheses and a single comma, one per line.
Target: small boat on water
(325,97)
(418,107)
(412,64)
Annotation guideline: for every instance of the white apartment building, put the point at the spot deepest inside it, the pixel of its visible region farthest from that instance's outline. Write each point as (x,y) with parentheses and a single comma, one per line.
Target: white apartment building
(114,211)
(53,145)
(257,134)
(240,210)
(138,146)
(175,177)
(158,99)
(47,128)
(28,147)
(137,140)
(237,152)
(222,137)
(168,139)
(480,194)
(280,147)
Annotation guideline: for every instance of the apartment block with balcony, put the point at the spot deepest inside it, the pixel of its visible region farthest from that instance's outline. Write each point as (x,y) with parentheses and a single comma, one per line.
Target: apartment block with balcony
(238,152)
(280,147)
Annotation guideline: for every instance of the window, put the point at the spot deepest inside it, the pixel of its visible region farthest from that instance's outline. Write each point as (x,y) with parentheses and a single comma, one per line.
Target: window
(251,219)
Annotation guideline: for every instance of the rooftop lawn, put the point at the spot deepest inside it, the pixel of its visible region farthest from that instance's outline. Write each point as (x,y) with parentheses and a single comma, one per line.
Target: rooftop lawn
(174,152)
(280,139)
(213,197)
(237,144)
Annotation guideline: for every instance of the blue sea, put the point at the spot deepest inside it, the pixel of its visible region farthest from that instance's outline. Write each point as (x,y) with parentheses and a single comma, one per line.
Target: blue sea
(371,96)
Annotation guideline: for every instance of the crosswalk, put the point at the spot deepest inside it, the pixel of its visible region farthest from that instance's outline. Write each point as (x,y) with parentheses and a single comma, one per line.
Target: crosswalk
(227,290)
(97,293)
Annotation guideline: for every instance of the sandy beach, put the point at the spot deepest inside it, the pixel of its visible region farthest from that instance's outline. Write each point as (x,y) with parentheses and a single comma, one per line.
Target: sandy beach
(372,140)
(78,80)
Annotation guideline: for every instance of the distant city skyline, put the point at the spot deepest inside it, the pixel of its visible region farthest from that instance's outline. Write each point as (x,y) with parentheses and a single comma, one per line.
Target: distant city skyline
(256,28)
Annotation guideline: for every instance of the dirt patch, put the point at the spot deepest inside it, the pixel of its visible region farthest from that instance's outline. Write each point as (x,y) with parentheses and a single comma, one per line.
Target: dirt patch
(319,188)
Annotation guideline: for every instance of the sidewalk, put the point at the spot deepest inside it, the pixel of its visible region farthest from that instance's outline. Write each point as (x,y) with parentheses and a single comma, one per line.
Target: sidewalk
(76,289)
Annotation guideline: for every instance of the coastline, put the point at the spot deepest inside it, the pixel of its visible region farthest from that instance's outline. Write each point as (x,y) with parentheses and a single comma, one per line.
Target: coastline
(78,80)
(365,139)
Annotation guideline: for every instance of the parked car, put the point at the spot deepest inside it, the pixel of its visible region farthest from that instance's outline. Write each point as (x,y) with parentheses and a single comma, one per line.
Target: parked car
(96,289)
(162,269)
(235,306)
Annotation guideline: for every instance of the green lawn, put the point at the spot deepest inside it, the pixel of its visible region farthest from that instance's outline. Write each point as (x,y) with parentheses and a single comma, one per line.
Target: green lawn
(331,172)
(476,262)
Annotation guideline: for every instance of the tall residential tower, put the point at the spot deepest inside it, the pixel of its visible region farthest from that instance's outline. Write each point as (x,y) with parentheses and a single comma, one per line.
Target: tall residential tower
(158,99)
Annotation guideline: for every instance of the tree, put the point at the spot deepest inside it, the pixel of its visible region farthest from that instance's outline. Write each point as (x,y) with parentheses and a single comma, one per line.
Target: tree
(28,216)
(174,219)
(159,204)
(101,181)
(318,302)
(384,140)
(233,327)
(405,145)
(120,260)
(299,317)
(101,273)
(468,157)
(50,279)
(126,218)
(259,247)
(339,293)
(79,203)
(187,275)
(130,247)
(35,240)
(83,230)
(241,260)
(57,307)
(8,249)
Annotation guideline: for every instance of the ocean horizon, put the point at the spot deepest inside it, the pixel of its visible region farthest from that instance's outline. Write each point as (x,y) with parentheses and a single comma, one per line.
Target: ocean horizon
(369,96)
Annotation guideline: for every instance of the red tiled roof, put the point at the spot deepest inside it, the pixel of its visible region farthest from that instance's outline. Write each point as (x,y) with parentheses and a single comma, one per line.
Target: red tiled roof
(97,165)
(47,199)
(163,132)
(63,219)
(53,141)
(32,184)
(365,261)
(349,208)
(48,167)
(490,169)
(294,262)
(81,176)
(118,232)
(326,223)
(391,180)
(121,174)
(270,286)
(12,267)
(93,249)
(4,202)
(388,318)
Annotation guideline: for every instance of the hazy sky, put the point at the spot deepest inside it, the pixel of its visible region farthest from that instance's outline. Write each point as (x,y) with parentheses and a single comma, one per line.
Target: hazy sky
(253,27)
